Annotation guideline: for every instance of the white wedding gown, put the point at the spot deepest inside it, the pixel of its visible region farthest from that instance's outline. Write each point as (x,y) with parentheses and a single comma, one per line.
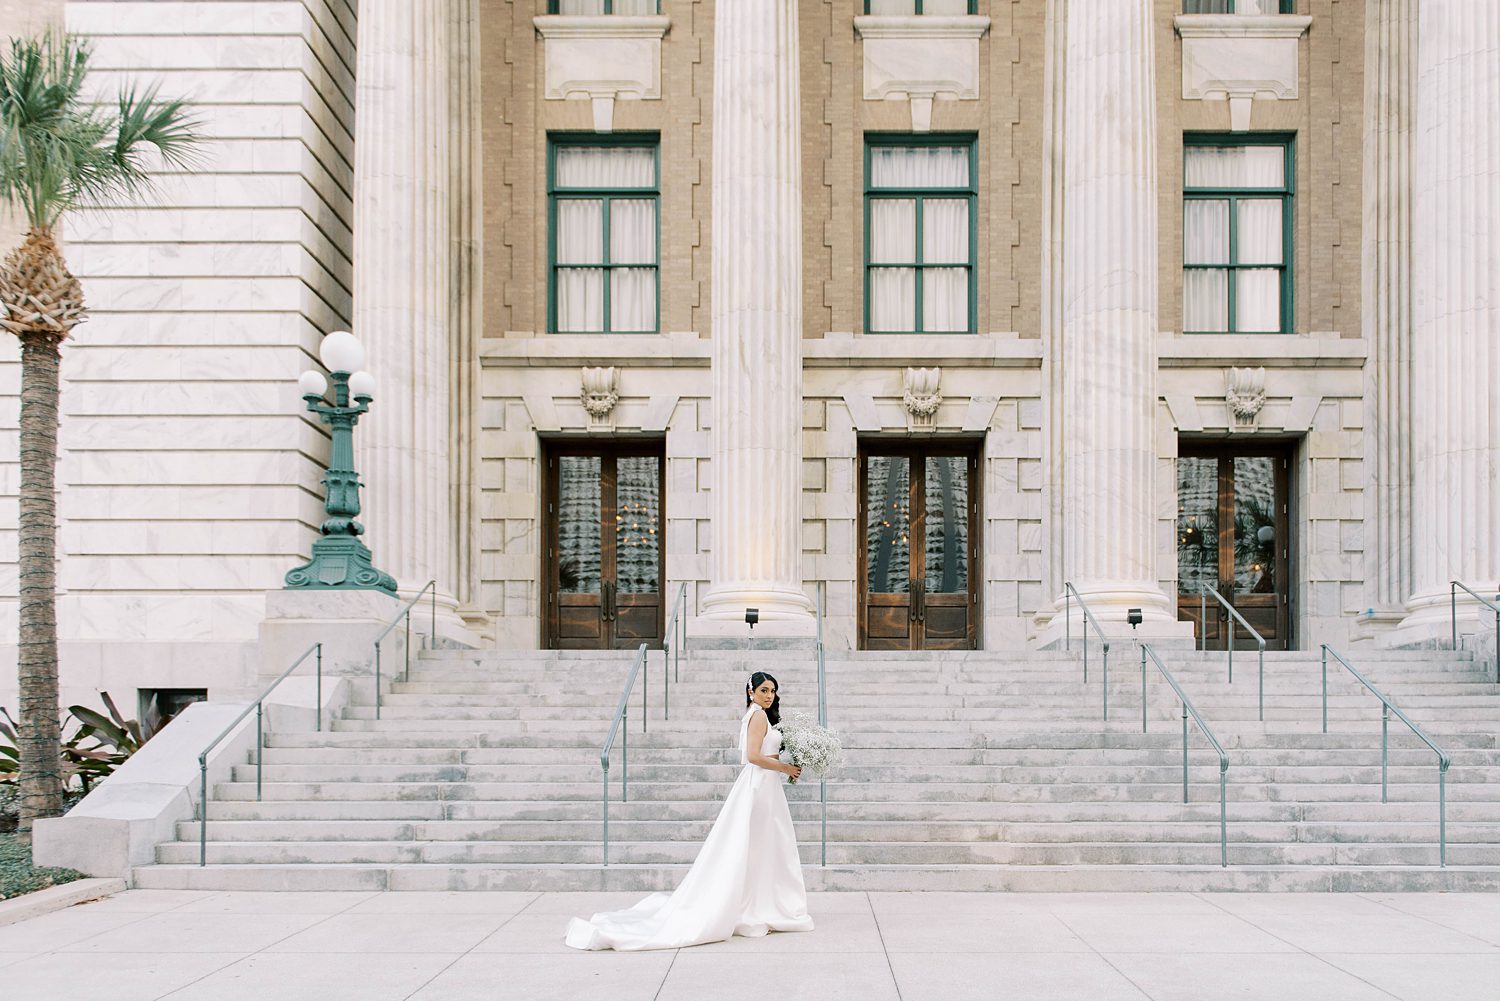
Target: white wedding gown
(747,879)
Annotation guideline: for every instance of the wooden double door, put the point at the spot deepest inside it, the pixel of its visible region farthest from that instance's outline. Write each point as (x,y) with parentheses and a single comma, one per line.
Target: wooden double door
(605,545)
(919,545)
(1233,511)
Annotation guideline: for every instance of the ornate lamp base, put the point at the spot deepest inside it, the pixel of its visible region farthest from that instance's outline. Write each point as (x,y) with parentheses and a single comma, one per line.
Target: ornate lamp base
(340,562)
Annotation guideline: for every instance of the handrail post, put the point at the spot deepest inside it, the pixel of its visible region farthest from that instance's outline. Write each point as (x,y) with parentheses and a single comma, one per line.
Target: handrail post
(645,691)
(1442,815)
(259,736)
(1203,620)
(1223,819)
(320,688)
(1261,691)
(625,758)
(605,801)
(203,809)
(1184,753)
(1325,687)
(1385,726)
(1068,624)
(406,648)
(1143,688)
(432,633)
(377,679)
(1106,681)
(666,689)
(1453,612)
(1231,648)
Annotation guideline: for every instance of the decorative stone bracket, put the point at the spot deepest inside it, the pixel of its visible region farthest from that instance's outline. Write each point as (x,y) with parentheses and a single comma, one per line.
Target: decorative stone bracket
(1245,395)
(602,60)
(599,394)
(921,397)
(1238,58)
(921,59)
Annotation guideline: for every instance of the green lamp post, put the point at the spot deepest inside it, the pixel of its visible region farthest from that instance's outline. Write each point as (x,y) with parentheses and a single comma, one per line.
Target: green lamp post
(339,560)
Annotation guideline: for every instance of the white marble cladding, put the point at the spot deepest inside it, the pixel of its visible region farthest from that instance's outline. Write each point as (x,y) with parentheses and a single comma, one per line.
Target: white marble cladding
(187,471)
(920,59)
(602,59)
(1239,58)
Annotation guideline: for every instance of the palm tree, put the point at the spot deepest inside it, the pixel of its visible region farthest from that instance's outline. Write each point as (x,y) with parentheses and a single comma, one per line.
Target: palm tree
(59,150)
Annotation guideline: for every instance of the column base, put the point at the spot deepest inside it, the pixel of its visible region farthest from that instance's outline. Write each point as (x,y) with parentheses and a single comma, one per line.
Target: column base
(1110,605)
(781,611)
(1428,624)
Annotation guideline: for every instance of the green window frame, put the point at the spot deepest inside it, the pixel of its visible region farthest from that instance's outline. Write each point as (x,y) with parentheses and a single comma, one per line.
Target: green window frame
(917,8)
(1231,6)
(970,192)
(554,6)
(1285,192)
(606,196)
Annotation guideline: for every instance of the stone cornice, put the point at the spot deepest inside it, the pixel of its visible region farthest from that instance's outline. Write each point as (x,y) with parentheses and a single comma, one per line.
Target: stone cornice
(1265,350)
(833,351)
(602,26)
(1241,25)
(921,26)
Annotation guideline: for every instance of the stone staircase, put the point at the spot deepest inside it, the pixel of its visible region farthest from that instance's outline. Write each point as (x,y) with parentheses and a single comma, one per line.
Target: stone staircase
(969,770)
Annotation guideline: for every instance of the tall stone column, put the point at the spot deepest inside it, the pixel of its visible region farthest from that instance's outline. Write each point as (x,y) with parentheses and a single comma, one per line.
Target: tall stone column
(1456,312)
(403,311)
(756,558)
(1390,114)
(1109,301)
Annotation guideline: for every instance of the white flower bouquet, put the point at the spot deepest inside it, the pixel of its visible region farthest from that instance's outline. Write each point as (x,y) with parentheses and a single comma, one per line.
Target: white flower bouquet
(808,745)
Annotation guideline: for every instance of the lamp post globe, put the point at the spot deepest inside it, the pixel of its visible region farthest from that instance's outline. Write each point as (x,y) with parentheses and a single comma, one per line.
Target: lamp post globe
(362,386)
(313,384)
(342,352)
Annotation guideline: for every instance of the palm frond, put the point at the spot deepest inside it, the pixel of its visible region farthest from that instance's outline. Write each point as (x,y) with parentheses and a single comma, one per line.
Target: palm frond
(59,150)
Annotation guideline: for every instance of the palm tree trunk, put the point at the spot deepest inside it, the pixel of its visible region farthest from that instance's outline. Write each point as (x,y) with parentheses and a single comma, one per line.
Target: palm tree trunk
(41,774)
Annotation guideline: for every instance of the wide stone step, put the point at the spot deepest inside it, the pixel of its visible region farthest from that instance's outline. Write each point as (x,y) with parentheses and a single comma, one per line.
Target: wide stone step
(843,853)
(986,878)
(844,831)
(865,756)
(1164,813)
(916,792)
(1068,773)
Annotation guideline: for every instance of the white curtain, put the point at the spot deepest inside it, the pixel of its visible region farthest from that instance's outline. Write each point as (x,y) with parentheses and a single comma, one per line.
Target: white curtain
(1205,239)
(597,6)
(580,240)
(944,240)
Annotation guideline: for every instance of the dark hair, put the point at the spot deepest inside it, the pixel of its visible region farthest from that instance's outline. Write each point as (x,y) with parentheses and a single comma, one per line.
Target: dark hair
(773,714)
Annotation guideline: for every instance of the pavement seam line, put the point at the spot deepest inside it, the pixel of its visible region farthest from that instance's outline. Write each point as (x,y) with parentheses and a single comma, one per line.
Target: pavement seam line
(1107,961)
(890,967)
(1432,921)
(1208,899)
(663,985)
(470,950)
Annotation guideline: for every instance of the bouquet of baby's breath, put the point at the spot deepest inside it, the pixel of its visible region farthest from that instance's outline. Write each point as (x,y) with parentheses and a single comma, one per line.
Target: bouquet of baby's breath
(808,745)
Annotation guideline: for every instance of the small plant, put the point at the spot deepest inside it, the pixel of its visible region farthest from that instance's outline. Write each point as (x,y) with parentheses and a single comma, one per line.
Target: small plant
(115,737)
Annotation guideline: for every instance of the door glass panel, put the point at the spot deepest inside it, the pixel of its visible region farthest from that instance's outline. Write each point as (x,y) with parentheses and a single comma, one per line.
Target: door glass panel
(946,524)
(637,525)
(578,524)
(1197,523)
(888,524)
(1255,525)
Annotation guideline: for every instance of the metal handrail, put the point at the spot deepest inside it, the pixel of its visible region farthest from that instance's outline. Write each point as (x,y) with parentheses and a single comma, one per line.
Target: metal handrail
(822,721)
(1188,709)
(676,622)
(1070,592)
(1235,615)
(622,715)
(259,706)
(1453,586)
(406,614)
(1444,760)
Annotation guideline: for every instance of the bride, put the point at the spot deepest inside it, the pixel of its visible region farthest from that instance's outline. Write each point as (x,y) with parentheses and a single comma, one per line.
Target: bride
(747,879)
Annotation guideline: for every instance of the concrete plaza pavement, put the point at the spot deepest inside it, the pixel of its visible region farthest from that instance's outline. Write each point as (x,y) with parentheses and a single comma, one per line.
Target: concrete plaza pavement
(143,945)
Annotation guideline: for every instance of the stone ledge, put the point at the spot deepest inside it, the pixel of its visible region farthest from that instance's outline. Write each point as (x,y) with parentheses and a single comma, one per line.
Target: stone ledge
(602,25)
(834,350)
(1241,25)
(1269,350)
(56,898)
(921,25)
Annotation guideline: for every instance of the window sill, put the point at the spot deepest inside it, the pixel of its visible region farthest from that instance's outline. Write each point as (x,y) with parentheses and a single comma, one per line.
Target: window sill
(602,25)
(1241,25)
(1324,349)
(921,26)
(921,58)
